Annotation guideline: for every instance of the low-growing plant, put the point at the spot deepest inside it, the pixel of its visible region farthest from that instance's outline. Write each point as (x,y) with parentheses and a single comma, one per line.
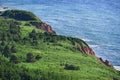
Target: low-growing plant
(71,67)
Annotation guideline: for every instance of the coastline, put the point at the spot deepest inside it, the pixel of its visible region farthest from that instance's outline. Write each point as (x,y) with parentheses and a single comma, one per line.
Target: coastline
(98,45)
(3,8)
(82,47)
(117,68)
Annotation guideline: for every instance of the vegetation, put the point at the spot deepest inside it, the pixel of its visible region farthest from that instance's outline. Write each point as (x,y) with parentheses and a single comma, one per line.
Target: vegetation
(28,53)
(30,57)
(20,15)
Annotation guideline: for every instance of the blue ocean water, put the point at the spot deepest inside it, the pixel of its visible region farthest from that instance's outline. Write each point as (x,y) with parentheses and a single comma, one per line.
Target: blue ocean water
(95,21)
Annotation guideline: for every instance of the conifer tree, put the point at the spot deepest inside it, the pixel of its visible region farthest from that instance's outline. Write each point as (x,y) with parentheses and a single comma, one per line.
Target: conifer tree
(6,51)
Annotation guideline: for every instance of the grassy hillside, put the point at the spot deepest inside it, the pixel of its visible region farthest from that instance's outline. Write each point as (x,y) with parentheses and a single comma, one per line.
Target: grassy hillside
(28,53)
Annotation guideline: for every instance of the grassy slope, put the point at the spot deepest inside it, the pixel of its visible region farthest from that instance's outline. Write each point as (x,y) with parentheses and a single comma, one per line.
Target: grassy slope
(55,55)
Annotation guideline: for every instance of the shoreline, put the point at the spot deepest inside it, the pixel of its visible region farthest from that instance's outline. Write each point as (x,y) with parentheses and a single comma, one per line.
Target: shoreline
(117,68)
(3,8)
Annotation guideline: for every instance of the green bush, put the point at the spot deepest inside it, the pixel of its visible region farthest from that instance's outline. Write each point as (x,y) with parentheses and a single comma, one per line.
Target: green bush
(13,49)
(14,59)
(38,57)
(71,67)
(6,51)
(30,58)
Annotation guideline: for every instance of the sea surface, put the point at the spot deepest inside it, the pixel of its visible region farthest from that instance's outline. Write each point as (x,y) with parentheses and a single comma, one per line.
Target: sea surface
(95,21)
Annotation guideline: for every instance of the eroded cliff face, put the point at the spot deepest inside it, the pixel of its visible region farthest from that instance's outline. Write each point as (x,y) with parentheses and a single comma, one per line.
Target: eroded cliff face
(87,50)
(84,48)
(43,26)
(46,27)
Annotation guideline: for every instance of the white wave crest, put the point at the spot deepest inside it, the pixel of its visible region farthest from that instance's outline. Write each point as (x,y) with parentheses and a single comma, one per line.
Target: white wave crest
(117,68)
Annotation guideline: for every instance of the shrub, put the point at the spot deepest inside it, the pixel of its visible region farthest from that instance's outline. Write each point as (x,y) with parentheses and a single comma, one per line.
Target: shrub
(38,57)
(6,51)
(30,57)
(115,79)
(14,59)
(13,49)
(71,67)
(3,43)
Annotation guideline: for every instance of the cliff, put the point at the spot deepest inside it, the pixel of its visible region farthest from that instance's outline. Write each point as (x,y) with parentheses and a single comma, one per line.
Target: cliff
(29,53)
(43,26)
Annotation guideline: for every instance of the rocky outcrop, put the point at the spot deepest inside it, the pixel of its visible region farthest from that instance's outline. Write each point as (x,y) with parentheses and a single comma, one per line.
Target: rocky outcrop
(46,27)
(106,62)
(87,50)
(43,26)
(83,47)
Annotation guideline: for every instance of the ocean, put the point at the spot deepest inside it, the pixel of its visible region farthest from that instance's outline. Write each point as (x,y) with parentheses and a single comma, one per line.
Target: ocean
(95,21)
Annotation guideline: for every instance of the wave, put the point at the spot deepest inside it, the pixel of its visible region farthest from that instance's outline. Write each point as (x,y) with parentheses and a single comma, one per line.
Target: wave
(117,68)
(94,46)
(85,39)
(3,8)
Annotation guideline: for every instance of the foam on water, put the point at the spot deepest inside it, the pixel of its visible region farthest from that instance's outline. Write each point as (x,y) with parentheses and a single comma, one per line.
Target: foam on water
(117,68)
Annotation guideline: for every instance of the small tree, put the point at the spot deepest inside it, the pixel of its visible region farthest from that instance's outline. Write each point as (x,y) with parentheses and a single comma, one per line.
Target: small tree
(14,59)
(35,43)
(4,37)
(34,31)
(38,57)
(71,67)
(13,49)
(30,57)
(6,51)
(3,43)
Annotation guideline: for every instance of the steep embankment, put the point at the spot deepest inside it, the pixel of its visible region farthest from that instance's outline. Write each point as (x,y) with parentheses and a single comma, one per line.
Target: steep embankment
(29,53)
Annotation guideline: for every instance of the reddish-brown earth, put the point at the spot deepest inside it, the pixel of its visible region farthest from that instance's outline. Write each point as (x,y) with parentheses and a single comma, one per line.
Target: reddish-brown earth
(43,26)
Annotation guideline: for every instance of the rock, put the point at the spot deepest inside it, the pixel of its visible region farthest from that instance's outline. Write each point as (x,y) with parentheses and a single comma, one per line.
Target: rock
(87,50)
(84,49)
(106,62)
(46,27)
(101,60)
